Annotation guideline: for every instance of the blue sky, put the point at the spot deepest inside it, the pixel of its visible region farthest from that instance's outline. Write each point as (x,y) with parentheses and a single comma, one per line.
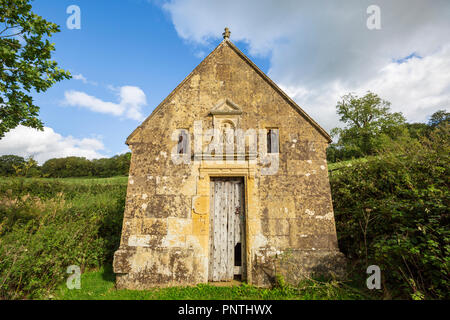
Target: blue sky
(118,45)
(130,54)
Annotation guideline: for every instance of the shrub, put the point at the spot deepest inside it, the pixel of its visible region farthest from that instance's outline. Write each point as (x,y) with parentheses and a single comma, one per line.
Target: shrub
(43,230)
(392,211)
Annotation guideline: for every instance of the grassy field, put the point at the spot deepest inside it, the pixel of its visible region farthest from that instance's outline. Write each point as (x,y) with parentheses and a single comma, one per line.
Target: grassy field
(49,224)
(119,180)
(99,285)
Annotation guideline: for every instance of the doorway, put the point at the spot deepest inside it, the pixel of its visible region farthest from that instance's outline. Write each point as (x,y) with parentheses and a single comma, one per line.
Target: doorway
(227,230)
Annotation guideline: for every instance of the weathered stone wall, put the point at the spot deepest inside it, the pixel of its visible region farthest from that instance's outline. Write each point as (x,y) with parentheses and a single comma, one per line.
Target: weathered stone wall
(166,222)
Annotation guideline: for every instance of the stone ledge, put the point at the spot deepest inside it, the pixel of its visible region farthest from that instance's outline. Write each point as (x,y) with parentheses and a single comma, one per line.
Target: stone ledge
(295,265)
(141,268)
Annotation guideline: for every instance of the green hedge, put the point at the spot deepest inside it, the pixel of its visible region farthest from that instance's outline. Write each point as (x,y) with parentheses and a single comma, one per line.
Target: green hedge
(46,227)
(392,211)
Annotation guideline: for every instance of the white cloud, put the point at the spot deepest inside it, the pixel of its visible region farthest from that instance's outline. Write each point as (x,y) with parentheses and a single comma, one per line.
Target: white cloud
(81,99)
(47,144)
(417,88)
(132,99)
(320,50)
(126,150)
(83,79)
(80,77)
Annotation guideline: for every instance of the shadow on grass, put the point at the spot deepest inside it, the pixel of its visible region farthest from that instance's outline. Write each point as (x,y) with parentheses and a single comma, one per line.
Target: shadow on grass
(100,285)
(108,274)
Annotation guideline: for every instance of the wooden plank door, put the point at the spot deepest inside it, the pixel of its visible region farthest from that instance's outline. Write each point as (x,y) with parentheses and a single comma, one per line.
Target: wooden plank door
(227,227)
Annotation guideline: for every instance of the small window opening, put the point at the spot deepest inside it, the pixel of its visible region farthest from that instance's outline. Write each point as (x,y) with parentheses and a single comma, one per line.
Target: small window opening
(272,141)
(182,142)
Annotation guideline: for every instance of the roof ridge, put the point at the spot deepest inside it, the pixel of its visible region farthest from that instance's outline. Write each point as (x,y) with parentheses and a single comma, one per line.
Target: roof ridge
(228,42)
(158,107)
(277,88)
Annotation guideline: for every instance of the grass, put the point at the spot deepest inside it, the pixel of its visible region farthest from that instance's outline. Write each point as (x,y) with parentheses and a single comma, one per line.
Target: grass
(118,180)
(99,285)
(101,199)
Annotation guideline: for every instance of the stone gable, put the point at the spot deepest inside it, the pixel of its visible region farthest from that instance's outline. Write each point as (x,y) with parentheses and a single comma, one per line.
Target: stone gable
(286,216)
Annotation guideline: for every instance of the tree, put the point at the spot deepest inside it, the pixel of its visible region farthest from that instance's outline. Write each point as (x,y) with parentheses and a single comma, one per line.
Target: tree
(438,118)
(8,163)
(67,167)
(25,54)
(369,123)
(418,130)
(122,163)
(27,167)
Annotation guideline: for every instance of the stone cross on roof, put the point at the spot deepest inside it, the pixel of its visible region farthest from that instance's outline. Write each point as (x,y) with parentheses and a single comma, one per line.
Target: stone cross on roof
(226,34)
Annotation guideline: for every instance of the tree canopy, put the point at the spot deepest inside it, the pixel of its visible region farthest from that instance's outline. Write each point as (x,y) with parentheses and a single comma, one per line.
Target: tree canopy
(11,165)
(368,123)
(26,63)
(438,118)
